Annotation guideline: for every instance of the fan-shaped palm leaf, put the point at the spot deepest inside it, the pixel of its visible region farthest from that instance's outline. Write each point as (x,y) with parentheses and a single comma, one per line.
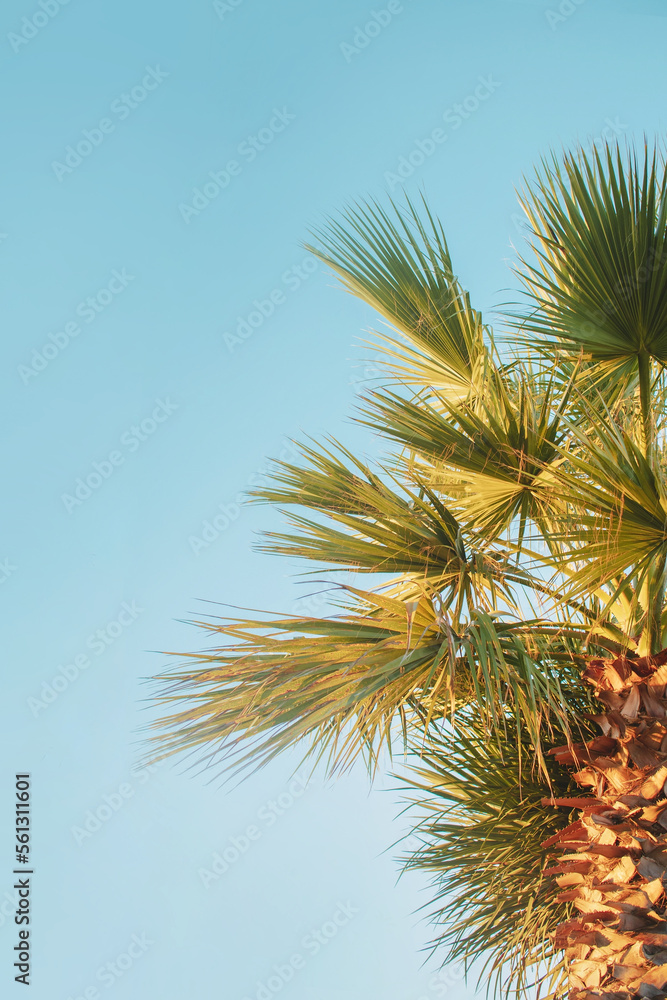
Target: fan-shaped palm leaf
(482,830)
(617,526)
(380,529)
(343,682)
(598,286)
(400,265)
(494,456)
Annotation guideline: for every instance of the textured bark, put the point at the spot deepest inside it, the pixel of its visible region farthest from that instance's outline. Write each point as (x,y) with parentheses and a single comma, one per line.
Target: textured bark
(614,869)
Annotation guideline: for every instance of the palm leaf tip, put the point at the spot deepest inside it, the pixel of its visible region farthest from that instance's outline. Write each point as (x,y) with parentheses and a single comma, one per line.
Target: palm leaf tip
(598,279)
(350,685)
(399,264)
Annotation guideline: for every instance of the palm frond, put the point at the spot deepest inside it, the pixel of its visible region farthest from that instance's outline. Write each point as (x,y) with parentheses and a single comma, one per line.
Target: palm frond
(493,457)
(385,530)
(342,684)
(401,266)
(617,528)
(482,825)
(598,285)
(374,523)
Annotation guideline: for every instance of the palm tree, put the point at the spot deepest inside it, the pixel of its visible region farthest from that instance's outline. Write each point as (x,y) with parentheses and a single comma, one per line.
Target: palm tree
(515,536)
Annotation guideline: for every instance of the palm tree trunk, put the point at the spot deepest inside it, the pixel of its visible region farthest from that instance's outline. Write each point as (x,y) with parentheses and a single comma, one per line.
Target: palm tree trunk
(614,869)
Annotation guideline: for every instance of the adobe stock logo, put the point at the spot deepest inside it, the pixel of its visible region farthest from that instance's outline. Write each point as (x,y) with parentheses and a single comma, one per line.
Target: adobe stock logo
(443,982)
(313,942)
(238,845)
(111,972)
(98,642)
(211,529)
(454,116)
(131,439)
(565,9)
(88,310)
(248,150)
(112,802)
(31,26)
(363,36)
(122,107)
(7,568)
(291,279)
(221,7)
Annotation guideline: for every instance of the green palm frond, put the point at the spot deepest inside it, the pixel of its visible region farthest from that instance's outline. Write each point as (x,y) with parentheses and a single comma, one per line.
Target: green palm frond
(343,683)
(481,829)
(494,456)
(371,527)
(600,280)
(385,530)
(616,529)
(400,265)
(598,285)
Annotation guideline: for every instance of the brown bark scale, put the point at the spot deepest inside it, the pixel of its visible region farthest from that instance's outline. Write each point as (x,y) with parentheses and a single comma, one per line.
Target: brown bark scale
(614,869)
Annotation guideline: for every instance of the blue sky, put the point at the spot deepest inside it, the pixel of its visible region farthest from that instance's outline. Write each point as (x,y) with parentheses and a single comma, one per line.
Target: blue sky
(166,335)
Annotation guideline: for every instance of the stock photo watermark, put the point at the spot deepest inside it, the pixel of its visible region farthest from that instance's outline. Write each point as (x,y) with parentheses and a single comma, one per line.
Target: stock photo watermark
(8,906)
(121,108)
(109,973)
(7,569)
(564,11)
(112,802)
(613,128)
(364,34)
(226,514)
(223,7)
(87,310)
(239,845)
(97,642)
(442,983)
(290,281)
(131,440)
(454,116)
(312,943)
(248,151)
(361,381)
(32,25)
(211,529)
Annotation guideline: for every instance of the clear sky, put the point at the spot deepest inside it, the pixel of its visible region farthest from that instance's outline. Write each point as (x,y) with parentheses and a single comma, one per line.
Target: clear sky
(162,164)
